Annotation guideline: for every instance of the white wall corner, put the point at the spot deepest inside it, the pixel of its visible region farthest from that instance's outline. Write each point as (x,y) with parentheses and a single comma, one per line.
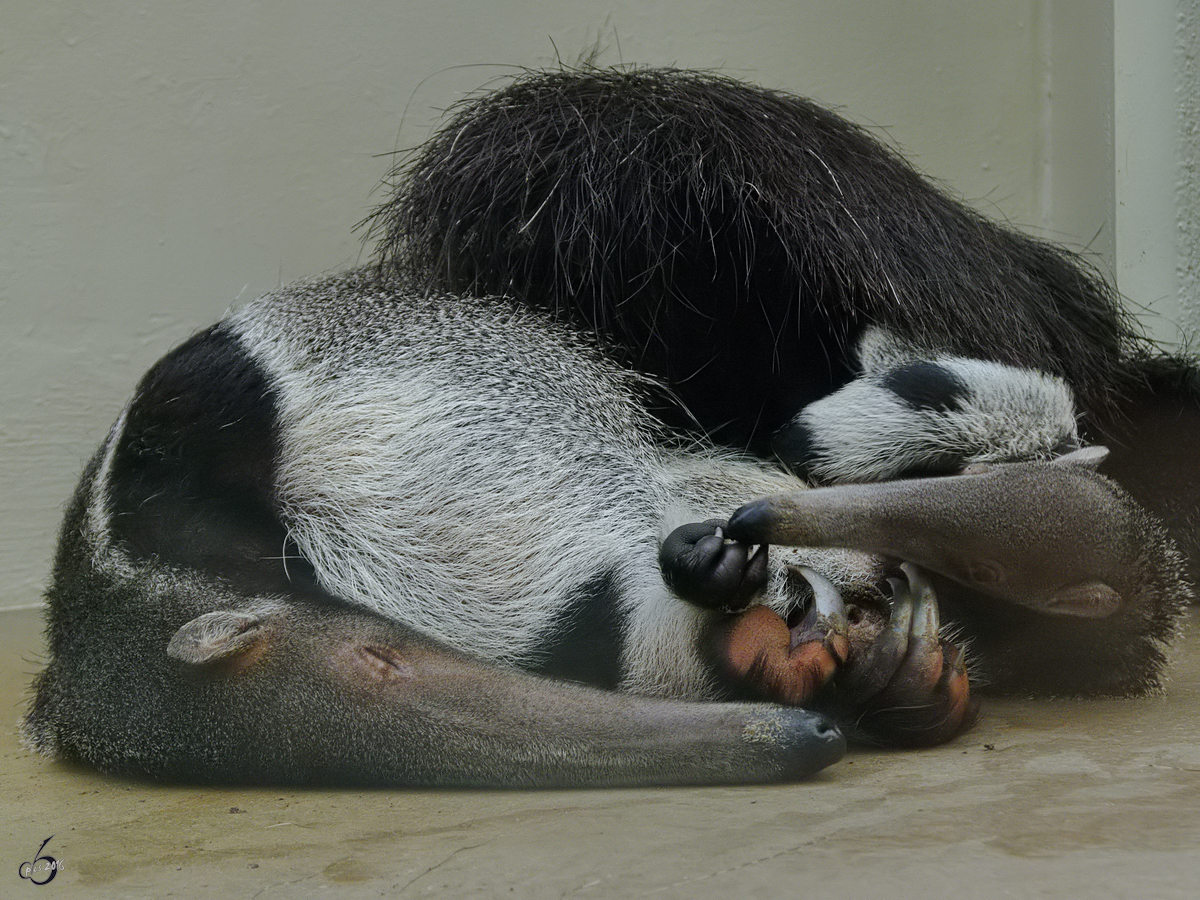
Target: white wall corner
(1154,122)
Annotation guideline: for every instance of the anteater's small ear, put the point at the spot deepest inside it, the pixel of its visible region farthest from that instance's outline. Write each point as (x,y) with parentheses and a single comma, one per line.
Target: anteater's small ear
(216,636)
(1087,457)
(978,468)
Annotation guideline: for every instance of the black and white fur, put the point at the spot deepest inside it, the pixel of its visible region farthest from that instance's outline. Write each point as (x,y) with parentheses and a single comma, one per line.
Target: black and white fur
(738,243)
(433,449)
(734,241)
(348,458)
(911,413)
(326,536)
(367,530)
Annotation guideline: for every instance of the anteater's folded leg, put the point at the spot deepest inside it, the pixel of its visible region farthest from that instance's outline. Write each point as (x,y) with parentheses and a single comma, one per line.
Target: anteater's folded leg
(908,687)
(888,680)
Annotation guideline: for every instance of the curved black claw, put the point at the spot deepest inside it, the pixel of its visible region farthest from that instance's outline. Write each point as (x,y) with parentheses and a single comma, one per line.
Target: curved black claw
(826,622)
(703,567)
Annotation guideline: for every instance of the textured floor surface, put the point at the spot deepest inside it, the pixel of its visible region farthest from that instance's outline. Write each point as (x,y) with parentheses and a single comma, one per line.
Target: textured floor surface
(1043,799)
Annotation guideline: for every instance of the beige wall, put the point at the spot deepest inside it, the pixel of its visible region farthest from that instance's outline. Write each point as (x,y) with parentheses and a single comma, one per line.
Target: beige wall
(1186,197)
(1156,130)
(162,159)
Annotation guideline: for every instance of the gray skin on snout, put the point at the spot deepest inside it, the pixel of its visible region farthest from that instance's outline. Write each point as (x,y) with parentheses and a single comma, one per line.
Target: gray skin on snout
(1052,536)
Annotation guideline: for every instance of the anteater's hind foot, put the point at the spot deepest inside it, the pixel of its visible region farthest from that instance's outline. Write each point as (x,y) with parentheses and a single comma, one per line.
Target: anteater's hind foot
(909,686)
(886,679)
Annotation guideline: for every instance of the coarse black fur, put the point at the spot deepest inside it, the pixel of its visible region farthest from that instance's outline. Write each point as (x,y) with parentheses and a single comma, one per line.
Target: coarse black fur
(733,241)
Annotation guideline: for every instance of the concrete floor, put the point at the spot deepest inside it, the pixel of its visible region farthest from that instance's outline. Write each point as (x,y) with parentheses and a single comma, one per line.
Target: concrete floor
(1043,799)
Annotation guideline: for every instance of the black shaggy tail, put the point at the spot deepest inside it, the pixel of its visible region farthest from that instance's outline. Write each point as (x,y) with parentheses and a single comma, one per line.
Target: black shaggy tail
(732,241)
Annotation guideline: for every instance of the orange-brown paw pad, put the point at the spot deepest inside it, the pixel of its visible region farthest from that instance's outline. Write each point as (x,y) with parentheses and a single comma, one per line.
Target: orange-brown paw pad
(789,665)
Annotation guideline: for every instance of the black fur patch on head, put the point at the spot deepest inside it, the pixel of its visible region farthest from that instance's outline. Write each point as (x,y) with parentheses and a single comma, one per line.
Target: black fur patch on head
(795,446)
(925,385)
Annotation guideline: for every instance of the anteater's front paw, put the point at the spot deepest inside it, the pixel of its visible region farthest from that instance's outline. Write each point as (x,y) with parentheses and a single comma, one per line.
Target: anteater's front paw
(703,567)
(908,687)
